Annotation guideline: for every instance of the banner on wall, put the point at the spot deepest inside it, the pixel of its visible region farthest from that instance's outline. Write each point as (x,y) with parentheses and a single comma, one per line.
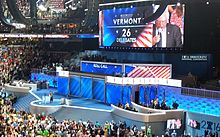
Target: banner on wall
(143,81)
(163,71)
(197,123)
(149,71)
(64,73)
(101,67)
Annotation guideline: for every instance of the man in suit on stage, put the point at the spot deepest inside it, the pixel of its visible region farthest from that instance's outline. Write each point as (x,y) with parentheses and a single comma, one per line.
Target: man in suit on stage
(166,34)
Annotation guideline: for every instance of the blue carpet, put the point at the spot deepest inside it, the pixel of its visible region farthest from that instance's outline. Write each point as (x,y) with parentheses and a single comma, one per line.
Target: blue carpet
(80,102)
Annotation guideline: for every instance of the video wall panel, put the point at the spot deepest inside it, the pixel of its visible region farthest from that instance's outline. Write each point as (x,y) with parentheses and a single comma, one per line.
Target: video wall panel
(63,84)
(86,87)
(44,77)
(99,89)
(75,85)
(127,27)
(113,94)
(127,91)
(101,68)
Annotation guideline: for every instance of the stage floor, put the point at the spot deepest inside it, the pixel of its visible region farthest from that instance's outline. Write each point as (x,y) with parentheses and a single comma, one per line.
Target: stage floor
(83,109)
(188,103)
(75,101)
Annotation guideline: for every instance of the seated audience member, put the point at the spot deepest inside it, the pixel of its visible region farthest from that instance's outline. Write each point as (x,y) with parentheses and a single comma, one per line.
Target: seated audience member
(156,104)
(120,105)
(127,106)
(163,105)
(175,105)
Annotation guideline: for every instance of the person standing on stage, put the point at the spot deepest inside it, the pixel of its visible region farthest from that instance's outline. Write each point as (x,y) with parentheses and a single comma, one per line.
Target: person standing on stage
(51,96)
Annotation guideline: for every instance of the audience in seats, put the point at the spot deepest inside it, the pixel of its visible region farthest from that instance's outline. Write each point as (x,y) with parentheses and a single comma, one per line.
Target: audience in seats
(126,106)
(20,123)
(156,104)
(175,105)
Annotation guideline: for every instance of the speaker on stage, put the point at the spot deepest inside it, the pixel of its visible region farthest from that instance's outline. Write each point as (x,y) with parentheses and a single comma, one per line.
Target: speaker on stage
(136,99)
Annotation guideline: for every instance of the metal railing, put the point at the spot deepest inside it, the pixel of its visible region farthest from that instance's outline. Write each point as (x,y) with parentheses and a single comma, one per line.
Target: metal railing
(200,92)
(44,71)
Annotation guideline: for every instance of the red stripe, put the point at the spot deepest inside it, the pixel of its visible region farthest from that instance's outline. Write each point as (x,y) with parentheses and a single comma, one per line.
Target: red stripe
(139,40)
(168,75)
(133,71)
(149,75)
(149,26)
(165,69)
(146,38)
(147,32)
(135,45)
(146,74)
(155,70)
(160,71)
(142,73)
(135,75)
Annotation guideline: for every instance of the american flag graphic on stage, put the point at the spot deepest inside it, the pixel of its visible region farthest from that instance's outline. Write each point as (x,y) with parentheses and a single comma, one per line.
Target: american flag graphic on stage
(151,72)
(145,38)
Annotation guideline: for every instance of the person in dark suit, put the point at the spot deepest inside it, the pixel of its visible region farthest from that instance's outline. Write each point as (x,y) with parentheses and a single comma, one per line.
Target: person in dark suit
(166,34)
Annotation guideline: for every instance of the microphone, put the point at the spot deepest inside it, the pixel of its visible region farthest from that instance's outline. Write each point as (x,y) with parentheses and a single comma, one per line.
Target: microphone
(159,42)
(159,31)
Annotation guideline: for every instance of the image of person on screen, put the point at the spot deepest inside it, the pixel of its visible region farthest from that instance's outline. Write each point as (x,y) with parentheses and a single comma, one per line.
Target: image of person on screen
(173,124)
(166,34)
(177,16)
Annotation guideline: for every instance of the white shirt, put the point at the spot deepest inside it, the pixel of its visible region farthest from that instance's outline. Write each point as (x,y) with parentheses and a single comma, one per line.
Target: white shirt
(164,36)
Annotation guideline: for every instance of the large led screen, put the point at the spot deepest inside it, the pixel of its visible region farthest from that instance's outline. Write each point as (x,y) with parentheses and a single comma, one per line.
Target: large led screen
(127,27)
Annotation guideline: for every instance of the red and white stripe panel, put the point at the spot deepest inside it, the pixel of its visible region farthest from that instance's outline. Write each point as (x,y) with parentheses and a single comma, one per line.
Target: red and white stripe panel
(151,72)
(145,38)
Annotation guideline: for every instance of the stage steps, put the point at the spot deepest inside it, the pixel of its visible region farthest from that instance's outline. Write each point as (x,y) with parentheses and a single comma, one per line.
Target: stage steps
(23,103)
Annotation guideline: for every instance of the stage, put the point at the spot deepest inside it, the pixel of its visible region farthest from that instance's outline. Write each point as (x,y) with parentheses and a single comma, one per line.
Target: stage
(79,109)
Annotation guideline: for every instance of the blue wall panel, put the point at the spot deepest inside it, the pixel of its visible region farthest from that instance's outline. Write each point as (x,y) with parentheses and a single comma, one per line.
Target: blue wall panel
(86,87)
(63,85)
(147,94)
(113,94)
(98,89)
(128,69)
(75,85)
(127,90)
(141,94)
(44,77)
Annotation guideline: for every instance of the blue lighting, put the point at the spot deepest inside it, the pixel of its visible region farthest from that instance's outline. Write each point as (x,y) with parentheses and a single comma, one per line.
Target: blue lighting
(87,36)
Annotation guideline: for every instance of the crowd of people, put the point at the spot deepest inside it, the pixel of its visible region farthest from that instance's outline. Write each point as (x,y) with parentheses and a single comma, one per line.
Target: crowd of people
(48,29)
(157,105)
(127,106)
(24,7)
(19,56)
(21,123)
